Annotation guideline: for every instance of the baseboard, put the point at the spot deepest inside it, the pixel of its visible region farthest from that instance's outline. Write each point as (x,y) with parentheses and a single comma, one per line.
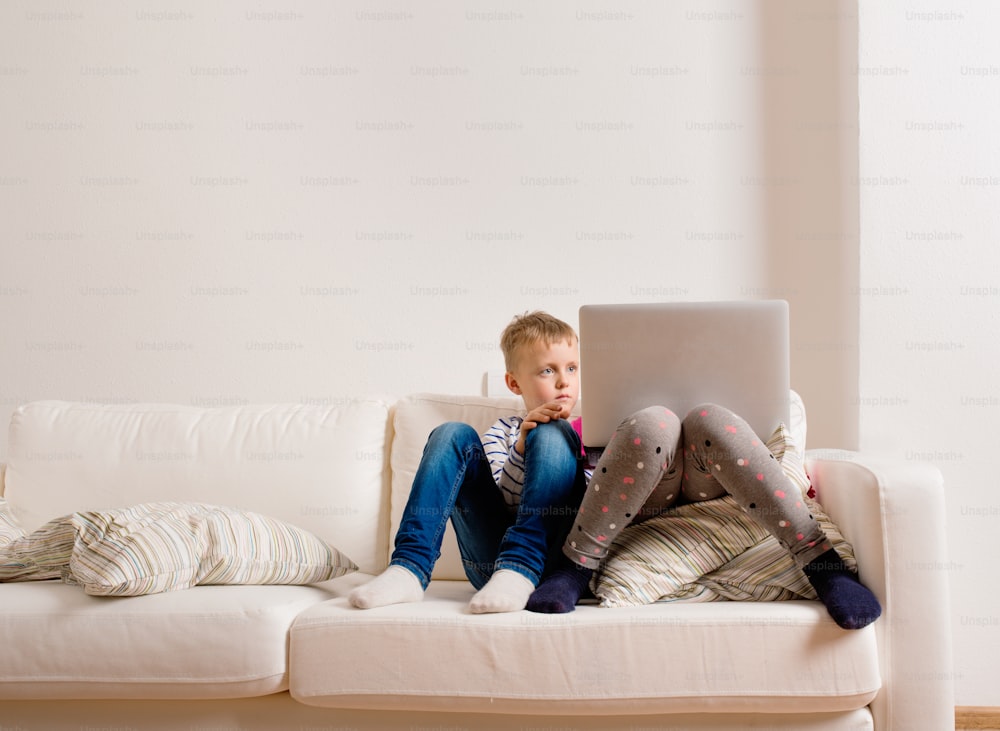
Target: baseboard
(977,718)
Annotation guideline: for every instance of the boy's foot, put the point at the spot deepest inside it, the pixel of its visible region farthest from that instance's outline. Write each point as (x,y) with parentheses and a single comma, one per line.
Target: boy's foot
(851,604)
(506,591)
(559,593)
(395,585)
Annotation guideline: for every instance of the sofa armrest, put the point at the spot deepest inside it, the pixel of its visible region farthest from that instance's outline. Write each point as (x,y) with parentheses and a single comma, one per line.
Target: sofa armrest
(892,512)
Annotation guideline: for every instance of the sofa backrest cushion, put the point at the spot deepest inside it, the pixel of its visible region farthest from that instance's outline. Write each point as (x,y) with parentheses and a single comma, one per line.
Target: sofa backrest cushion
(320,468)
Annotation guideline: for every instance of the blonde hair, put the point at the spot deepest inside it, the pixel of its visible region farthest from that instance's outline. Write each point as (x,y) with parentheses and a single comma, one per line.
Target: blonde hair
(530,328)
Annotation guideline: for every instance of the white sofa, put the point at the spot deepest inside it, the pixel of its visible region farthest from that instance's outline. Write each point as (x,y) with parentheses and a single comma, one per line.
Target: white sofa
(299,657)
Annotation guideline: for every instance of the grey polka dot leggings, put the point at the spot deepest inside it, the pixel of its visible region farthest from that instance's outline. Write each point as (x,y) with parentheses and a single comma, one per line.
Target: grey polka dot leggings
(654,460)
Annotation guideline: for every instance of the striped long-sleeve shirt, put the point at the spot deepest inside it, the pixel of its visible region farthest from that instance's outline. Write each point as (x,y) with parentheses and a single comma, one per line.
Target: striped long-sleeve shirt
(506,463)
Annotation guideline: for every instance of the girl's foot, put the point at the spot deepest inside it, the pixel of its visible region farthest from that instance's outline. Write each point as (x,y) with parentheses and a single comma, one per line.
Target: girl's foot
(559,593)
(851,604)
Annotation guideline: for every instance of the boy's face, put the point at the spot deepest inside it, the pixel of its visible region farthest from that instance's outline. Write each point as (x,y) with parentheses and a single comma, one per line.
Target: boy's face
(545,372)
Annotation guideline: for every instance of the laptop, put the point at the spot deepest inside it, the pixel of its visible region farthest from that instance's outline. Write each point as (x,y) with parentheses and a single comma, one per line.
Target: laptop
(681,354)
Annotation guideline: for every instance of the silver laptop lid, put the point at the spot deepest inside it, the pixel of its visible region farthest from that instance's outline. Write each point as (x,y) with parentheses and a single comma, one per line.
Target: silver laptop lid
(681,354)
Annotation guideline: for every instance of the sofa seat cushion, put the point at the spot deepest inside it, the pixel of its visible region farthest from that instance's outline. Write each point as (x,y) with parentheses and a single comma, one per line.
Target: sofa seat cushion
(206,642)
(783,657)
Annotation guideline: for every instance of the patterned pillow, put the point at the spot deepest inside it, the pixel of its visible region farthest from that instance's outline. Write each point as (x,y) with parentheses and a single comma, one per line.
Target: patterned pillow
(166,546)
(44,554)
(712,550)
(766,572)
(10,528)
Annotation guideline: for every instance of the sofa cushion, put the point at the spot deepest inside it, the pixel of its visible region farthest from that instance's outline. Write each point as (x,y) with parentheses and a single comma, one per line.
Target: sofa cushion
(166,546)
(723,656)
(211,642)
(319,468)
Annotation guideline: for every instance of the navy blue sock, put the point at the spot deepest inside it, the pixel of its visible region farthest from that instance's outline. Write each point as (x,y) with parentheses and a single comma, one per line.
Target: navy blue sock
(561,590)
(849,602)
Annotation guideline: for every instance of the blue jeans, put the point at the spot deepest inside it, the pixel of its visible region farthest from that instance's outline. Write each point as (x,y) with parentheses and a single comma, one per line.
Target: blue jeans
(454,482)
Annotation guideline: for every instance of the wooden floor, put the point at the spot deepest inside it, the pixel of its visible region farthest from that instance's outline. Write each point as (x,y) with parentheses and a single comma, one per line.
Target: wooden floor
(975,718)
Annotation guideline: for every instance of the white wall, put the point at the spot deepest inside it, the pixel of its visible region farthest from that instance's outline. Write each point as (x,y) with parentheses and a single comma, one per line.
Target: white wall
(929,87)
(210,203)
(218,203)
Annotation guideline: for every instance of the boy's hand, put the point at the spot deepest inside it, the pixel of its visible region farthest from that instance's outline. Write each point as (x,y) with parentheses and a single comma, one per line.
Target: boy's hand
(540,415)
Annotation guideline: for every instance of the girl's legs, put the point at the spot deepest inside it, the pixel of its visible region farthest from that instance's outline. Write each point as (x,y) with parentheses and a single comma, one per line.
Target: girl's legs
(637,477)
(722,455)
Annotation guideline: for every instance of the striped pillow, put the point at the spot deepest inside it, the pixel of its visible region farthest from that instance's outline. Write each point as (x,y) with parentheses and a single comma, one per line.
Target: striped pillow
(44,554)
(10,528)
(712,550)
(156,547)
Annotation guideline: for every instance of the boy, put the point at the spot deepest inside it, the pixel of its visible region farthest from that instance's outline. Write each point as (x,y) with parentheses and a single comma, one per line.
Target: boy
(510,493)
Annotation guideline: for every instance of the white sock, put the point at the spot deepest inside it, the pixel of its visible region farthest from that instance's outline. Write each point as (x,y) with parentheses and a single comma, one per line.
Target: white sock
(506,591)
(395,585)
